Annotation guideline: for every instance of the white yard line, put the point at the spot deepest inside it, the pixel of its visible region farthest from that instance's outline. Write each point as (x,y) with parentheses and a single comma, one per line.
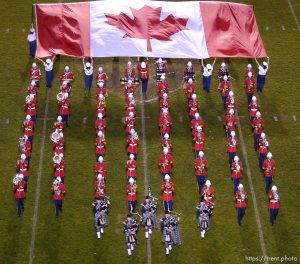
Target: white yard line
(38,181)
(146,175)
(294,14)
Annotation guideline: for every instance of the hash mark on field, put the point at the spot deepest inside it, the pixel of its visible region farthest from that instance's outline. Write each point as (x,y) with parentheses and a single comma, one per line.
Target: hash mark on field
(295,118)
(267,28)
(282,27)
(84,120)
(7,121)
(7,30)
(38,181)
(23,30)
(140,117)
(219,118)
(275,118)
(180,118)
(294,14)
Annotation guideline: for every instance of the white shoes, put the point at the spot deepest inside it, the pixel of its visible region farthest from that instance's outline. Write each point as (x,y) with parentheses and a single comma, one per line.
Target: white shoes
(132,247)
(167,251)
(146,234)
(170,247)
(98,235)
(129,252)
(150,231)
(202,233)
(101,230)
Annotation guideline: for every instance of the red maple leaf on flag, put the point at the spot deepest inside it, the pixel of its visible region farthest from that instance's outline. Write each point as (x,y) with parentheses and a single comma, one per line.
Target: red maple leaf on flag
(146,24)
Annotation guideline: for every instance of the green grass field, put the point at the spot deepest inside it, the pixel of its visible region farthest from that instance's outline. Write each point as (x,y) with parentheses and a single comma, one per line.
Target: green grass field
(72,238)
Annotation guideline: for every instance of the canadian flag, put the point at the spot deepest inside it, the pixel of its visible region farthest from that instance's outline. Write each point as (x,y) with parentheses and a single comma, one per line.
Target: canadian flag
(148,29)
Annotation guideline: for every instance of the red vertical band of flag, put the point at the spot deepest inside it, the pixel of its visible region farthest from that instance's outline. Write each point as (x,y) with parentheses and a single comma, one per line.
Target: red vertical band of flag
(63,29)
(231,30)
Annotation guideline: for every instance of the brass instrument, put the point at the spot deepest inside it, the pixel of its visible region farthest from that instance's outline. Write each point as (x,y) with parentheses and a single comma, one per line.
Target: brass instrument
(60,96)
(57,159)
(55,137)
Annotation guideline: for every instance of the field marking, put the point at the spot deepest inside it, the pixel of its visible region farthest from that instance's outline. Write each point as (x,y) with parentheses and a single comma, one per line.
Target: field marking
(282,27)
(7,30)
(275,118)
(84,120)
(7,121)
(253,196)
(23,30)
(294,14)
(38,181)
(267,28)
(295,118)
(180,118)
(146,176)
(219,118)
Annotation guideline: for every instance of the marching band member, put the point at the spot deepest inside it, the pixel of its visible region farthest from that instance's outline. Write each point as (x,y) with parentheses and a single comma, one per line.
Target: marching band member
(274,203)
(67,75)
(166,142)
(101,167)
(230,122)
(129,73)
(197,121)
(189,72)
(224,88)
(236,172)
(32,89)
(100,187)
(59,167)
(164,104)
(129,122)
(263,149)
(27,128)
(129,88)
(25,147)
(131,167)
(203,213)
(30,99)
(100,124)
(31,110)
(199,138)
(231,147)
(249,84)
(19,187)
(48,64)
(165,123)
(130,105)
(31,38)
(59,125)
(207,73)
(35,74)
(165,163)
(101,105)
(193,106)
(200,169)
(23,167)
(101,219)
(100,145)
(101,77)
(130,227)
(65,88)
(222,72)
(269,167)
(249,69)
(101,89)
(162,87)
(161,68)
(170,231)
(167,189)
(143,68)
(240,202)
(258,127)
(58,190)
(149,216)
(132,143)
(189,89)
(131,194)
(253,108)
(230,102)
(262,72)
(208,195)
(64,110)
(88,76)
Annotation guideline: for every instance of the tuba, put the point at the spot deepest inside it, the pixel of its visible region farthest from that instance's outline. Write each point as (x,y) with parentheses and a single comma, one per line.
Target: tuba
(60,96)
(55,137)
(57,159)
